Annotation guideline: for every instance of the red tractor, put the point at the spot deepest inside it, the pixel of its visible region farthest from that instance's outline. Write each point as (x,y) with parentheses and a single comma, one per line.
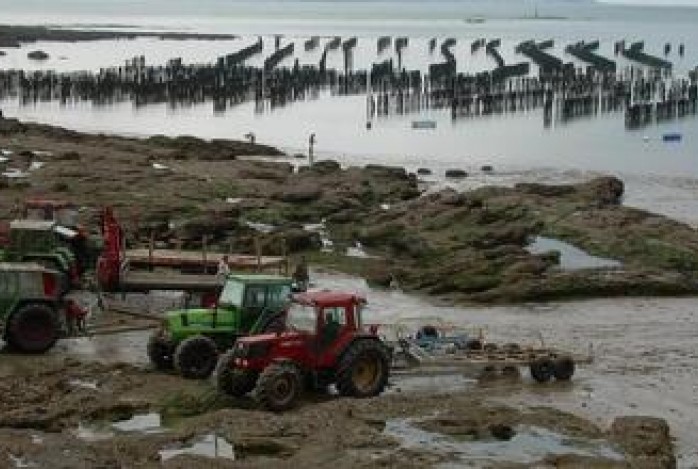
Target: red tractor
(324,343)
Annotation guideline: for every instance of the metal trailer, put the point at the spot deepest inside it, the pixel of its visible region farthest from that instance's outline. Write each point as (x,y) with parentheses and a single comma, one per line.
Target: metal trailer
(443,348)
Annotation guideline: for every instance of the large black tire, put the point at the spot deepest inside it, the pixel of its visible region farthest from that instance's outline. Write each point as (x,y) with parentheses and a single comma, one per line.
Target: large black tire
(363,369)
(33,328)
(279,387)
(231,380)
(563,368)
(542,369)
(160,352)
(196,357)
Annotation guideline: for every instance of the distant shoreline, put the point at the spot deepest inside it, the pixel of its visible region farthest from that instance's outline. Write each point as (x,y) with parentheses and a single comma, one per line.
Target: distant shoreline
(13,36)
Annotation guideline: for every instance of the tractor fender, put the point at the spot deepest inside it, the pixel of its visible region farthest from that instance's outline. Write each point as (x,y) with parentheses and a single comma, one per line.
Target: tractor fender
(24,301)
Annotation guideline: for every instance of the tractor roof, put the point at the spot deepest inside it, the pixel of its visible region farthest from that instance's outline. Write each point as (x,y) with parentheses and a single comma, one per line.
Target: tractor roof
(22,267)
(260,278)
(327,297)
(35,225)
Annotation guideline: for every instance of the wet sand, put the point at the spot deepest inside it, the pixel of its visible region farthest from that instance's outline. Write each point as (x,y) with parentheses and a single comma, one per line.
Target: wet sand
(644,360)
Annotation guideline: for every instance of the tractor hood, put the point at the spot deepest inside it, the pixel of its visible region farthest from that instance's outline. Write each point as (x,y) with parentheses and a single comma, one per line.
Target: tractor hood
(256,339)
(272,337)
(188,318)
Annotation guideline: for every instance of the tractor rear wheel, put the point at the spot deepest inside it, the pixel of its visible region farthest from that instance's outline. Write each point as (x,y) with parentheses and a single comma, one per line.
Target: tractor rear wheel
(33,328)
(196,357)
(160,352)
(279,387)
(542,369)
(363,369)
(232,380)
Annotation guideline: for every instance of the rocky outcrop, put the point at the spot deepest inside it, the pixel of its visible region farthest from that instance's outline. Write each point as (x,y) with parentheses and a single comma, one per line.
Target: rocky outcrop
(646,441)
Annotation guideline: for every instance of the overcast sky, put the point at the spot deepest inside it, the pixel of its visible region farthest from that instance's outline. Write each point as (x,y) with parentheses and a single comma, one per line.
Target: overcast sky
(655,2)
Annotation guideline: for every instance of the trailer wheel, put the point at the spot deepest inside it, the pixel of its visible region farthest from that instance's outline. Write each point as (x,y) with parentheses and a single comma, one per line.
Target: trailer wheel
(196,357)
(542,369)
(279,387)
(160,352)
(564,368)
(473,344)
(33,328)
(231,380)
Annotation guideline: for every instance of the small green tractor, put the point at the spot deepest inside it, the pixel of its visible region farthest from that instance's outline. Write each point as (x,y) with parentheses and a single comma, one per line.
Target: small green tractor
(190,340)
(32,312)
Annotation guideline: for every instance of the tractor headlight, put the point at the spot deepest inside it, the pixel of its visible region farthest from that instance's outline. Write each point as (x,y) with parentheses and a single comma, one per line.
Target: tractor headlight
(241,350)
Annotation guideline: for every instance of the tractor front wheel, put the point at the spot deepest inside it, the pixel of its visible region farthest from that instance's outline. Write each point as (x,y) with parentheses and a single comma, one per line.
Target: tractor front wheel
(33,328)
(160,352)
(279,387)
(363,370)
(564,368)
(196,357)
(232,380)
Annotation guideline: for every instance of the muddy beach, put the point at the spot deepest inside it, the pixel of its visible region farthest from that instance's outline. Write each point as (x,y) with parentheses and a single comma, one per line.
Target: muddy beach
(439,246)
(97,402)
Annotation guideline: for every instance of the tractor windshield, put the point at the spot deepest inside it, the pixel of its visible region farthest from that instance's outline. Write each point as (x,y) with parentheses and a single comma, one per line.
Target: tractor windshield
(232,294)
(301,318)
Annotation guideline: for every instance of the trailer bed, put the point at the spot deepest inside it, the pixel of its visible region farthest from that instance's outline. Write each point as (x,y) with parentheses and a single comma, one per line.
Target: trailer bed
(146,281)
(173,258)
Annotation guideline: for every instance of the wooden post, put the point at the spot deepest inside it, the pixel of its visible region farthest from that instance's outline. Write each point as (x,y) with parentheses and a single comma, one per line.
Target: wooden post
(151,248)
(204,246)
(258,252)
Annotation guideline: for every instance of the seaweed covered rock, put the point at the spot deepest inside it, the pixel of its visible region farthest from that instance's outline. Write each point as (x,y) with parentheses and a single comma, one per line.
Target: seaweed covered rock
(646,440)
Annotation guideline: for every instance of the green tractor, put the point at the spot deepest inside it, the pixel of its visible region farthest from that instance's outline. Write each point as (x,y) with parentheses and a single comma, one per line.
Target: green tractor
(32,315)
(191,340)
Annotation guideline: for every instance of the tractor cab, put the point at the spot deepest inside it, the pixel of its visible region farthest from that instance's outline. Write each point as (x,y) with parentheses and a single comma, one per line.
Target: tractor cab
(326,319)
(63,213)
(44,242)
(324,343)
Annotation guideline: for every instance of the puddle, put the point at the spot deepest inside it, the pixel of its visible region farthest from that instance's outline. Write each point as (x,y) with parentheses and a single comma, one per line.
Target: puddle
(149,423)
(143,423)
(92,434)
(260,227)
(79,383)
(211,446)
(20,462)
(357,251)
(529,445)
(571,257)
